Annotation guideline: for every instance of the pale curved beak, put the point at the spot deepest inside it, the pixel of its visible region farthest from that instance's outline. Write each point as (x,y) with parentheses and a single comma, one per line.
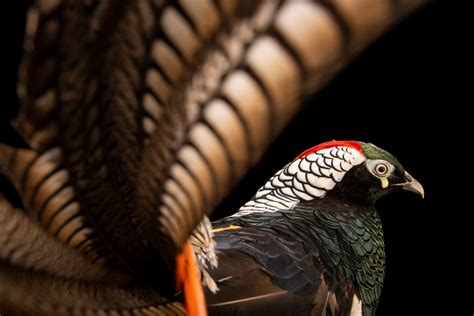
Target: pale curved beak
(412,185)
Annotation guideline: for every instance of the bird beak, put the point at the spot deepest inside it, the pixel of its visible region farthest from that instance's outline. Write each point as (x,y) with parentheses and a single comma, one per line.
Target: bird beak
(412,185)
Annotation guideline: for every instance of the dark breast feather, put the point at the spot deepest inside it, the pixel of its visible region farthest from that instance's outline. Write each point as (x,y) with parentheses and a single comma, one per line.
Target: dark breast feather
(286,259)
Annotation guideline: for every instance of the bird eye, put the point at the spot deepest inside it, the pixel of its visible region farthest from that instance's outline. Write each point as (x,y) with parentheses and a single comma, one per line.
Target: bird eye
(381,169)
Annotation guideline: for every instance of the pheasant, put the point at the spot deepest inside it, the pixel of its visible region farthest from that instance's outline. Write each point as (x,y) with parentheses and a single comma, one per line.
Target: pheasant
(310,241)
(138,118)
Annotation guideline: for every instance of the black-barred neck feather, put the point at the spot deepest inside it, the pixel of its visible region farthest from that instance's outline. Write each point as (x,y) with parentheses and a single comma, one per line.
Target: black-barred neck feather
(306,178)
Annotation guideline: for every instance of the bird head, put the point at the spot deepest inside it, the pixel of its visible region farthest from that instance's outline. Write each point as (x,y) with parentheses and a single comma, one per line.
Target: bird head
(359,171)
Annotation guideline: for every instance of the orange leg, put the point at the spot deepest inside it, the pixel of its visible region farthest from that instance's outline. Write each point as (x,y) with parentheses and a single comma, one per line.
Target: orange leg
(187,277)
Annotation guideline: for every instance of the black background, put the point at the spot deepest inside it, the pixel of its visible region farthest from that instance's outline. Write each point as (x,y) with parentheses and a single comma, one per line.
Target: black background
(406,94)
